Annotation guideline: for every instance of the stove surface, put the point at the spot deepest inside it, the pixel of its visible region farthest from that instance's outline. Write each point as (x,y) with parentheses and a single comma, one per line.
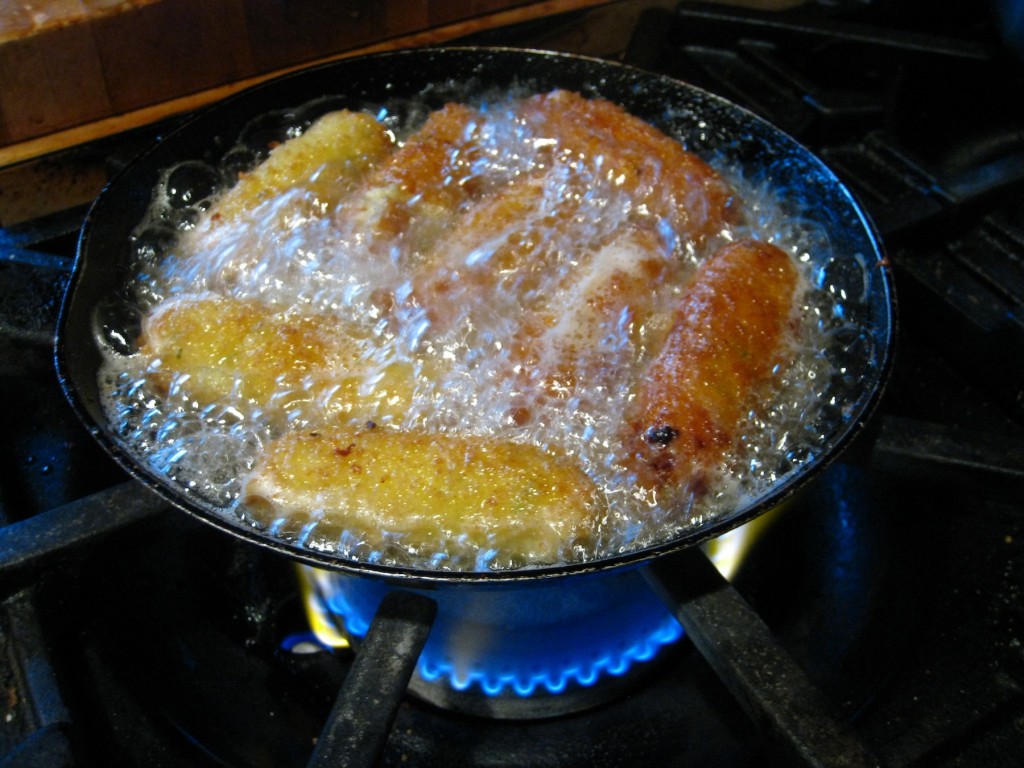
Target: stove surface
(132,635)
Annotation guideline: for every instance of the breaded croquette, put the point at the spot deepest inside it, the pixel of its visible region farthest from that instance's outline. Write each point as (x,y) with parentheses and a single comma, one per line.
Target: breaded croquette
(663,179)
(731,328)
(407,200)
(482,498)
(277,360)
(325,161)
(605,315)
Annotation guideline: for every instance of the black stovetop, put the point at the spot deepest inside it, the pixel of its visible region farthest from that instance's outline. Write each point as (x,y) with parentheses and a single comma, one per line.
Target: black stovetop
(132,635)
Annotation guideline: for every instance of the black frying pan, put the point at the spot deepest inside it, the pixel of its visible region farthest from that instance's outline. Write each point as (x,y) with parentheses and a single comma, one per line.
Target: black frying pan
(93,315)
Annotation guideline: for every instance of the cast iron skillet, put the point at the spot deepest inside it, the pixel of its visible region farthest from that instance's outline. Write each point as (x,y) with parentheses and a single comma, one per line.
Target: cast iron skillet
(94,317)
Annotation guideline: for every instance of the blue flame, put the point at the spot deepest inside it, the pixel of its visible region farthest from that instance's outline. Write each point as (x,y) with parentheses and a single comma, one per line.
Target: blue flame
(582,669)
(540,639)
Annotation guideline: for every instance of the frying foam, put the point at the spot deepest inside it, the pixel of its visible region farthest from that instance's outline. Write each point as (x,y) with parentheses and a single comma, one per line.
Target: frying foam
(312,264)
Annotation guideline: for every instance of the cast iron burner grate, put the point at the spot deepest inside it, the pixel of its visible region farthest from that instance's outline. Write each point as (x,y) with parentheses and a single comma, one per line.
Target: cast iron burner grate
(920,111)
(133,636)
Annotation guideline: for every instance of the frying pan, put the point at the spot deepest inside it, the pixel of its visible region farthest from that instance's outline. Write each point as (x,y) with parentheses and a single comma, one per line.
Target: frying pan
(96,317)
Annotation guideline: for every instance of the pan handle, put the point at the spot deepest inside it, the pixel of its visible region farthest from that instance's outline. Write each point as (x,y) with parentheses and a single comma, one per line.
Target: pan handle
(363,713)
(756,669)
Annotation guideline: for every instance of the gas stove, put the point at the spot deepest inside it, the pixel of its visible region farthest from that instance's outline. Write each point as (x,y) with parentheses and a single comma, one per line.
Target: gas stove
(133,635)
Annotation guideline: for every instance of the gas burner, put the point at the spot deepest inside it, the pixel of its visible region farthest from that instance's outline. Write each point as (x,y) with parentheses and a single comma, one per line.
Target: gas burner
(194,621)
(518,652)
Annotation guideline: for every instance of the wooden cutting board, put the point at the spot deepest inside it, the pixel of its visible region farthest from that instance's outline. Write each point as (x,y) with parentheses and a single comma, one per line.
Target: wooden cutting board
(67,63)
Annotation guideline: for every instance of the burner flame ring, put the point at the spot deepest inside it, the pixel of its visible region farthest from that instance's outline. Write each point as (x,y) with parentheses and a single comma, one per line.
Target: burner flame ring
(532,650)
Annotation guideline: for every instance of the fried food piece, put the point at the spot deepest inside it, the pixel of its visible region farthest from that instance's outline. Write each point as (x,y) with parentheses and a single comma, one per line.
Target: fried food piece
(604,317)
(663,179)
(406,202)
(492,253)
(298,182)
(730,330)
(279,360)
(611,301)
(482,497)
(325,161)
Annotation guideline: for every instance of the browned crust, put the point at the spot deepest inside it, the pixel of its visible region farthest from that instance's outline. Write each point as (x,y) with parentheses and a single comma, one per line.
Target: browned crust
(731,329)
